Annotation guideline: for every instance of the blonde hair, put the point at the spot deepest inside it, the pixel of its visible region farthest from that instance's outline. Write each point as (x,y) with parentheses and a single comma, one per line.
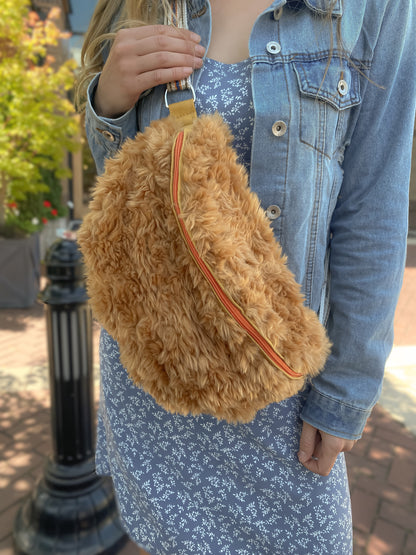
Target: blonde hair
(110,16)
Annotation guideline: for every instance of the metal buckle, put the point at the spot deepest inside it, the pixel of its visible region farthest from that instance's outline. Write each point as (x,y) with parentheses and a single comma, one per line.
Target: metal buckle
(189,89)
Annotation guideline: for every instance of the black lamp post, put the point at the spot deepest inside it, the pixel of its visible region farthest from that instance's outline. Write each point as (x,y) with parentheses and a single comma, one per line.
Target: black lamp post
(71,510)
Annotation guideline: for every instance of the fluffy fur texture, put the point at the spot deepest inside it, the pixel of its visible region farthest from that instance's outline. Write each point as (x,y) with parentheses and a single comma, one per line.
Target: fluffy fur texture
(176,340)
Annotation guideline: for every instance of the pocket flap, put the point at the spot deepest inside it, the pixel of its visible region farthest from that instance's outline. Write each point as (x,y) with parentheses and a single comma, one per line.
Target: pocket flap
(336,83)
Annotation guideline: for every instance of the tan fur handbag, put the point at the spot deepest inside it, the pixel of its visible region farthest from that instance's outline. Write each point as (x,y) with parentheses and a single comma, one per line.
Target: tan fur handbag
(184,272)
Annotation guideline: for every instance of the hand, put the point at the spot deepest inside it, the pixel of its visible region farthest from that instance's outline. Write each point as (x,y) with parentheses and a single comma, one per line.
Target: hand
(141,58)
(318,450)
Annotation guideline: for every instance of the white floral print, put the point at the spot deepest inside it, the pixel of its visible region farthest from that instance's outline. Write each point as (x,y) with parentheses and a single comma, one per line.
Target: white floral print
(226,88)
(198,486)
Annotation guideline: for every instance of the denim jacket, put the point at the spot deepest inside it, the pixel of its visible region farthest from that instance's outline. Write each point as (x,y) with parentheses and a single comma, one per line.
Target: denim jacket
(331,155)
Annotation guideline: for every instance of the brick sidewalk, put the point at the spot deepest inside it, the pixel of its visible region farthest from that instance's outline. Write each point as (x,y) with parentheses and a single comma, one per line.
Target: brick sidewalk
(381,467)
(382,473)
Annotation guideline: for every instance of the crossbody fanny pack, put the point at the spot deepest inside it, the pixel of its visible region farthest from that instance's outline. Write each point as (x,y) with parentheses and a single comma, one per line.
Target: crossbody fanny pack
(183,270)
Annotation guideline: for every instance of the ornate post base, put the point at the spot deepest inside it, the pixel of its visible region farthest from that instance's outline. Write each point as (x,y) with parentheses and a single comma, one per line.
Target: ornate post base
(72,511)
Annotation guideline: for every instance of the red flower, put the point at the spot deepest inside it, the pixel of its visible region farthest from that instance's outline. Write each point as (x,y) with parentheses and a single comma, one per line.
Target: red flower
(44,220)
(47,204)
(12,205)
(54,212)
(33,18)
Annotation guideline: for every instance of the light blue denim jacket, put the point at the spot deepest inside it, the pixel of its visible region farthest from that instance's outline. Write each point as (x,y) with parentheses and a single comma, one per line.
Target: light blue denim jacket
(331,150)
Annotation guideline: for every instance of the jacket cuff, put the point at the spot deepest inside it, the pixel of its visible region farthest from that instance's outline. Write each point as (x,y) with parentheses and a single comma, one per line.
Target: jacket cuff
(333,416)
(107,133)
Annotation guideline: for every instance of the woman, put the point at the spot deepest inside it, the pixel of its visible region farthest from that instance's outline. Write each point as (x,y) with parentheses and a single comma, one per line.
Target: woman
(320,96)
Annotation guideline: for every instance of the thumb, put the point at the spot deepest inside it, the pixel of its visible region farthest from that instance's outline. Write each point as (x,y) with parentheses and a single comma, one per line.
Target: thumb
(308,440)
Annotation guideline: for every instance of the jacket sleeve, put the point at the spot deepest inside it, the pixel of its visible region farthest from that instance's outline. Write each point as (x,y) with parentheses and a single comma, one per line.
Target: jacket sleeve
(368,234)
(105,135)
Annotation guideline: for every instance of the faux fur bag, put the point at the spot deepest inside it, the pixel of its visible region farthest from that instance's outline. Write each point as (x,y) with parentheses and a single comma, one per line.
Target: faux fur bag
(184,272)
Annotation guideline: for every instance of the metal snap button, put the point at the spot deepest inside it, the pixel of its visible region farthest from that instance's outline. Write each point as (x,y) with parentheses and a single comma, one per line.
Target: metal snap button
(273,47)
(279,128)
(342,87)
(273,212)
(277,14)
(107,134)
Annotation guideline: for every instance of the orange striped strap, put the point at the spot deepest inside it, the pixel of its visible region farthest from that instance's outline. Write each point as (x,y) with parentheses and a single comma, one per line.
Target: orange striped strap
(229,305)
(178,17)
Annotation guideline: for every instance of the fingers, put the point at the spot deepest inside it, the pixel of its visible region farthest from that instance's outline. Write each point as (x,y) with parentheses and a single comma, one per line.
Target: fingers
(308,441)
(149,49)
(157,45)
(164,43)
(142,58)
(139,33)
(166,60)
(318,451)
(161,76)
(323,458)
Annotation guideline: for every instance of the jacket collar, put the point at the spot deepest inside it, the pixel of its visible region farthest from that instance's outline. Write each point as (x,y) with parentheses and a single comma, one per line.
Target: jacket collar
(318,6)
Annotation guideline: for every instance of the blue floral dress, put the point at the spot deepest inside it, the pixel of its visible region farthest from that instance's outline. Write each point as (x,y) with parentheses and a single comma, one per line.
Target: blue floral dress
(199,486)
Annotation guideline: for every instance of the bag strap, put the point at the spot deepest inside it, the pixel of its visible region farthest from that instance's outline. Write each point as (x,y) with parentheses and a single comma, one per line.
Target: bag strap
(178,17)
(183,110)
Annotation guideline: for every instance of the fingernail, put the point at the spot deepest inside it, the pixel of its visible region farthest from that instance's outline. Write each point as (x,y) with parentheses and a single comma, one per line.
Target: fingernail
(199,50)
(302,456)
(195,37)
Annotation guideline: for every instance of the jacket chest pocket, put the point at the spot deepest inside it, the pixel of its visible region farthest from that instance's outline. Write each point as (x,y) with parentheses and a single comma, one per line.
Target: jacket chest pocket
(327,91)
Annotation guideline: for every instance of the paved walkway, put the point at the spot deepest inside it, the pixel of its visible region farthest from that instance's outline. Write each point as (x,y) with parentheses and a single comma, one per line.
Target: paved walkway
(382,466)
